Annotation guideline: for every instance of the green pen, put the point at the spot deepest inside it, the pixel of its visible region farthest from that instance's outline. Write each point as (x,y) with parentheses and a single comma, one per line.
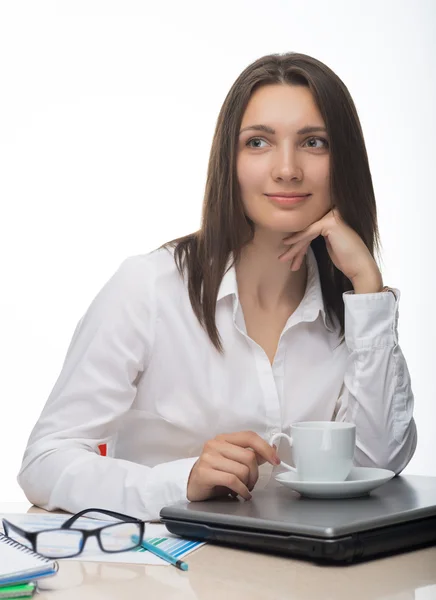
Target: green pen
(17,591)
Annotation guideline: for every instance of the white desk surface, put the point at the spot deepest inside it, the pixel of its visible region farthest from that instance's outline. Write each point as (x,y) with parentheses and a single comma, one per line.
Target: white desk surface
(221,573)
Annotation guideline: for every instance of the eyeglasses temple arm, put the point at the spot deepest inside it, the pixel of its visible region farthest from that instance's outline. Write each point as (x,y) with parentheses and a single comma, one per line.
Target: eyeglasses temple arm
(110,513)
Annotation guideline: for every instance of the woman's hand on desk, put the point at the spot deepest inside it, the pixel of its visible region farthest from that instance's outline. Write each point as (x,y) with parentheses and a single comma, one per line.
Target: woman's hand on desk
(229,464)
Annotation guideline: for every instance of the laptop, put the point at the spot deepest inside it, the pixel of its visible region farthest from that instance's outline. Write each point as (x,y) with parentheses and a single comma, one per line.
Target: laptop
(399,515)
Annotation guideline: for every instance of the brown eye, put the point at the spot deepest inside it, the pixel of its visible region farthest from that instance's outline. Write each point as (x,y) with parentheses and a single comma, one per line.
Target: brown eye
(256,139)
(318,139)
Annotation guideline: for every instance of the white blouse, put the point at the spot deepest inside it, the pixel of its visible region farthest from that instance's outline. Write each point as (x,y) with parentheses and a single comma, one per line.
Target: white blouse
(142,376)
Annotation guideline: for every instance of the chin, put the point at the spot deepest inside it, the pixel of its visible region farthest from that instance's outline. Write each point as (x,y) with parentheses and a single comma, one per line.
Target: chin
(288,224)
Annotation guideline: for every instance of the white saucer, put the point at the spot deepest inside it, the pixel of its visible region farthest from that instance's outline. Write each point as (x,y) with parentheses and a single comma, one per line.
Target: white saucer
(359,482)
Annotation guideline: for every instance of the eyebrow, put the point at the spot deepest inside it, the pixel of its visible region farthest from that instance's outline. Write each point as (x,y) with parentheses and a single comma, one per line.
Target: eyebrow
(302,131)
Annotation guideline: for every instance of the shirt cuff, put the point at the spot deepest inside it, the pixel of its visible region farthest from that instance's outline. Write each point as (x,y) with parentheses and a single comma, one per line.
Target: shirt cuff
(168,486)
(371,320)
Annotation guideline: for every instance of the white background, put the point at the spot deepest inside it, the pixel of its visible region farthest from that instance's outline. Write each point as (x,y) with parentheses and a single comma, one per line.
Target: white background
(107,111)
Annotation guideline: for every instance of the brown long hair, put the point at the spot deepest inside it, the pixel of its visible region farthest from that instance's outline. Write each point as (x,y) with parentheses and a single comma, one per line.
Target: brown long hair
(226,229)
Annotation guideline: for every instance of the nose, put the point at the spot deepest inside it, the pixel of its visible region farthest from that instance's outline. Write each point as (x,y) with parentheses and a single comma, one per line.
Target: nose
(286,165)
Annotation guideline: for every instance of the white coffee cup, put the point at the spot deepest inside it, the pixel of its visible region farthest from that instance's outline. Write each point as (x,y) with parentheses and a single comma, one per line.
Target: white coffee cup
(322,450)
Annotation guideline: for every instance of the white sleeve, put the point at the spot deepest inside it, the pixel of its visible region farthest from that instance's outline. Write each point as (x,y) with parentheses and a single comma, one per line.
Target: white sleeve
(377,394)
(111,346)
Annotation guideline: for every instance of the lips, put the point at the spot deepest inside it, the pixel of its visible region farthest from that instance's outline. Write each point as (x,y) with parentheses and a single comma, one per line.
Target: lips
(287,200)
(285,195)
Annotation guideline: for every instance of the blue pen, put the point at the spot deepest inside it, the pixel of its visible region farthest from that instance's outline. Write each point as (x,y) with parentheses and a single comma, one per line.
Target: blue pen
(180,564)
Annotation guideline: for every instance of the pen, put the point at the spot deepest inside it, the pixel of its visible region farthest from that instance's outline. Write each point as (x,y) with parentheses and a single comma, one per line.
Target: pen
(180,564)
(22,590)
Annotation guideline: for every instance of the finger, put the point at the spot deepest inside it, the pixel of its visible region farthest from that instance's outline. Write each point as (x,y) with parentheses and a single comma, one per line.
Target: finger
(244,456)
(313,231)
(220,490)
(298,260)
(220,463)
(220,479)
(292,252)
(250,439)
(293,238)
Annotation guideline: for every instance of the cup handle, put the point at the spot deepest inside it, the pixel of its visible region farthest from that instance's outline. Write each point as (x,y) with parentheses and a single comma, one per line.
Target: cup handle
(290,441)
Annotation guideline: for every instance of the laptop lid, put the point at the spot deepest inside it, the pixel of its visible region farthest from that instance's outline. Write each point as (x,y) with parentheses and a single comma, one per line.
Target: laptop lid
(278,509)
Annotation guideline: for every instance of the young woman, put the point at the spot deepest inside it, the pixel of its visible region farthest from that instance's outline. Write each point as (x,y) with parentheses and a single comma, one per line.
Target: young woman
(192,356)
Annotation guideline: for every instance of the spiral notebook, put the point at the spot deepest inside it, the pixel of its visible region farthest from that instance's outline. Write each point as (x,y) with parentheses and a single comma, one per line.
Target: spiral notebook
(19,564)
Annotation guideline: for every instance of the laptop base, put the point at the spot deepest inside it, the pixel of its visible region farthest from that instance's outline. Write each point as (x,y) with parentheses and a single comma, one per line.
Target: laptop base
(356,547)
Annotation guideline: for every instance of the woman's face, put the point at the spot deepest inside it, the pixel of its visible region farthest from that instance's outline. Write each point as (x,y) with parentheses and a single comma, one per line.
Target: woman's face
(283,159)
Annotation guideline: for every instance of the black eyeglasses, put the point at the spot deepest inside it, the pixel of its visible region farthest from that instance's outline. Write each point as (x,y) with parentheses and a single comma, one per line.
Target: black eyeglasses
(67,541)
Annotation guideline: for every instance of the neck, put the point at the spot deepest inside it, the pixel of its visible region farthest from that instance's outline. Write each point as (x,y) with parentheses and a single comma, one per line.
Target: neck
(263,280)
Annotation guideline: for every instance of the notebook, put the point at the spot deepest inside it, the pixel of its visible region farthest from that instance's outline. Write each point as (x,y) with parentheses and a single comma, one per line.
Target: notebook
(19,564)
